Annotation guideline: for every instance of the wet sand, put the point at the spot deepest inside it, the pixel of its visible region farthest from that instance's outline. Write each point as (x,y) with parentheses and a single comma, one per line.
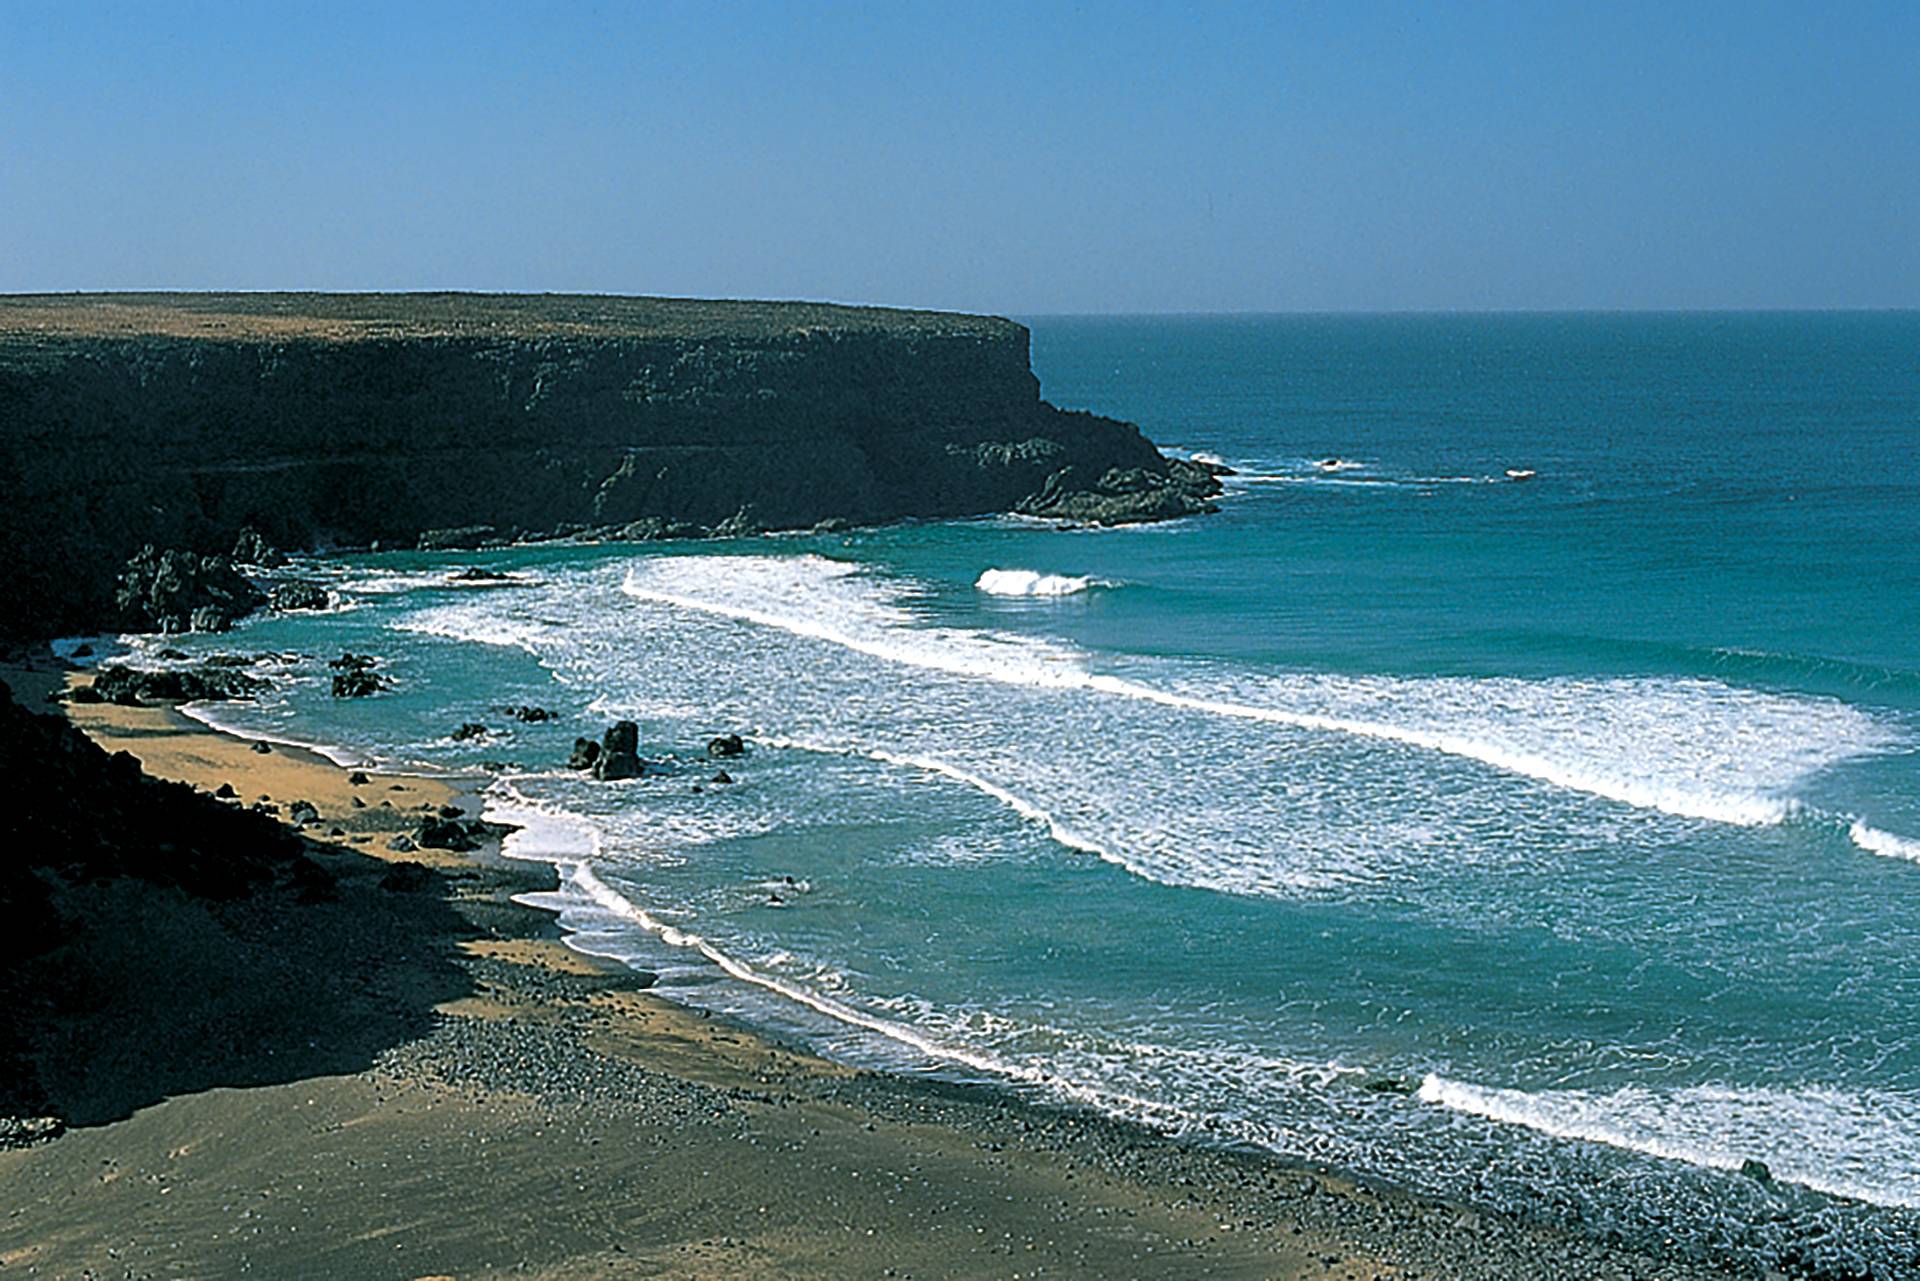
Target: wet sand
(416,1079)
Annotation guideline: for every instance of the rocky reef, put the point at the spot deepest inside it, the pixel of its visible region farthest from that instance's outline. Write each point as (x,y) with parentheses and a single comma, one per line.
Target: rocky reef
(218,425)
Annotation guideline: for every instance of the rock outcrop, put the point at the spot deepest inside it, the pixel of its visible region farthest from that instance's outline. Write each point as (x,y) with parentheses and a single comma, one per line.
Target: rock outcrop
(132,687)
(354,676)
(296,595)
(178,591)
(223,424)
(619,755)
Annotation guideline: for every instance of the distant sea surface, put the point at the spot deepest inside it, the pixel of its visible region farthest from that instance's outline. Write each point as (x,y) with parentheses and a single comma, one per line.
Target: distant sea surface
(1549,841)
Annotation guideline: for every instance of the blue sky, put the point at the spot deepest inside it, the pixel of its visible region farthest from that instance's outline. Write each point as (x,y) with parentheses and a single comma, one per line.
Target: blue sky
(1019,158)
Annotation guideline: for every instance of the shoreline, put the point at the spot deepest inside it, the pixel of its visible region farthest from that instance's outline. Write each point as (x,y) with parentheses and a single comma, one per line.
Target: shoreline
(579,1125)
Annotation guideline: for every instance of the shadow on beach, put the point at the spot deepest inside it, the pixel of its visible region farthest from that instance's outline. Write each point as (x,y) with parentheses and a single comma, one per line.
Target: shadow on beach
(166,943)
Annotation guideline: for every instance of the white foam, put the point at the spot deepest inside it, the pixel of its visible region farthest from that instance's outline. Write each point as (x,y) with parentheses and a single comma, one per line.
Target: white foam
(1020,805)
(394,582)
(1679,794)
(544,834)
(1864,1144)
(467,623)
(1690,748)
(1885,844)
(1027,582)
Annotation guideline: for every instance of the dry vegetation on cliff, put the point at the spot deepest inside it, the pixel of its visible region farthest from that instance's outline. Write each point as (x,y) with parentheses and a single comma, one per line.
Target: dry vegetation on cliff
(254,317)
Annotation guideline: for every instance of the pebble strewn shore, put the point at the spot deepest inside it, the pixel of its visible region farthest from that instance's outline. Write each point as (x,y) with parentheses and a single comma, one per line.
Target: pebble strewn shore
(410,1076)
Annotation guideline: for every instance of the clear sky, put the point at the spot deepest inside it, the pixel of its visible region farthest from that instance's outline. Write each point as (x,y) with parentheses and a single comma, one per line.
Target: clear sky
(1017,158)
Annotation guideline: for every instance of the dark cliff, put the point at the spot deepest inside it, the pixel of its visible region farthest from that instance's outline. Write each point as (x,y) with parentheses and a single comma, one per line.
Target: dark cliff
(324,420)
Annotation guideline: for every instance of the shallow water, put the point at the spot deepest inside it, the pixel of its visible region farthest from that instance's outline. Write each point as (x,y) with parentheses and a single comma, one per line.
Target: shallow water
(1551,842)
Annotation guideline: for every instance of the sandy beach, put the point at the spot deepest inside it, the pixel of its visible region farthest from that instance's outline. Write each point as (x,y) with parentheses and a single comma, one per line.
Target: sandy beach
(412,1077)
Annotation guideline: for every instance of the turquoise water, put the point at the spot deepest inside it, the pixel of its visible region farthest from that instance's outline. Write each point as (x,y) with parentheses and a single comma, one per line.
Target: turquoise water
(1553,842)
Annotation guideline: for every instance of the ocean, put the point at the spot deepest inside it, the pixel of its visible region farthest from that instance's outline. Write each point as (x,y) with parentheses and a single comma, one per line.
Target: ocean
(1511,794)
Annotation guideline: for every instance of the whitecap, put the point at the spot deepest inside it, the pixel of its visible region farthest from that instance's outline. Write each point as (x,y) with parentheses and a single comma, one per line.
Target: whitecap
(1885,844)
(1695,749)
(1027,582)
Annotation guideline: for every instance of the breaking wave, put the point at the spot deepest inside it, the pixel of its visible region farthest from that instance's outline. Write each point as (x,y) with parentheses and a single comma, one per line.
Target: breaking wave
(1691,748)
(1027,582)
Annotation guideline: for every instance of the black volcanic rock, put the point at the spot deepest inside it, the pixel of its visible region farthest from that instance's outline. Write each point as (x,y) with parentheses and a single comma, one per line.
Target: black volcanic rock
(131,687)
(619,755)
(585,753)
(295,595)
(252,548)
(726,745)
(190,421)
(359,683)
(1126,495)
(178,591)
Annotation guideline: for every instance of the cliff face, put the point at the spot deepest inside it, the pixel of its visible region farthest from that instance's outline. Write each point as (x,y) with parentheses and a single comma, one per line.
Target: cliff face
(341,420)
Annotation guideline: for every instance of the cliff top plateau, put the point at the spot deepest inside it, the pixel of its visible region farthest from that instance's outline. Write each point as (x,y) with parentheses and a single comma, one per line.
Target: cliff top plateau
(290,317)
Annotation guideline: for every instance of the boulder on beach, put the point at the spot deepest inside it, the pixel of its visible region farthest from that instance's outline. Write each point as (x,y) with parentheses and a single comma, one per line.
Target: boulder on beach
(130,687)
(456,834)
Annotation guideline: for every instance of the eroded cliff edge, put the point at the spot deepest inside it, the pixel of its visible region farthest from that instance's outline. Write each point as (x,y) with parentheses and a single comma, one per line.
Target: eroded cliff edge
(329,420)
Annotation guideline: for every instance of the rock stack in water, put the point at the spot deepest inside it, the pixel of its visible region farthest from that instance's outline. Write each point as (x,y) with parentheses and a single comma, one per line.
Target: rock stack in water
(619,755)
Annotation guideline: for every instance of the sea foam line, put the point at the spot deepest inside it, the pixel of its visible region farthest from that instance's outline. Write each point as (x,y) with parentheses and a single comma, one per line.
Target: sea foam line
(345,758)
(573,844)
(1807,1136)
(932,765)
(577,874)
(1044,670)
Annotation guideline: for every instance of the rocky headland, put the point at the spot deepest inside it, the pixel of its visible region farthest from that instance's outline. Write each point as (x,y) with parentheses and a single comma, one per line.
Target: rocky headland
(229,425)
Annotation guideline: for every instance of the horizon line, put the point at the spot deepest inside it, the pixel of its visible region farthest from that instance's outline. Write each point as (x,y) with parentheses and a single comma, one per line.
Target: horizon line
(1245,313)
